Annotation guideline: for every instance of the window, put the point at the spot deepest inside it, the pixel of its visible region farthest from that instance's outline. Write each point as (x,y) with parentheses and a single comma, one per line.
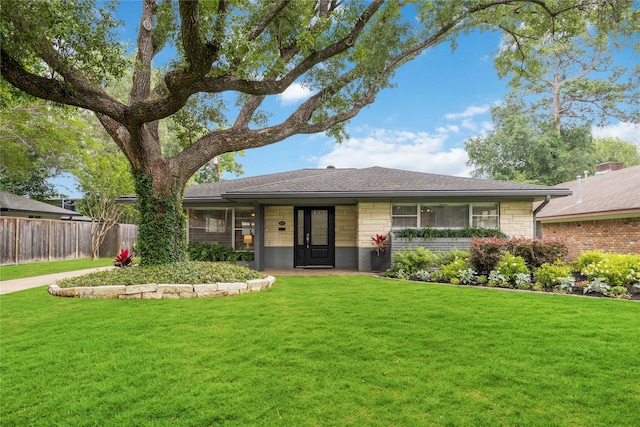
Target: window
(404,216)
(485,215)
(231,227)
(245,228)
(445,215)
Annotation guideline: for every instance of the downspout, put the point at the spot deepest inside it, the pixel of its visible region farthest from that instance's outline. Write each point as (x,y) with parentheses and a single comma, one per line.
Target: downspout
(547,199)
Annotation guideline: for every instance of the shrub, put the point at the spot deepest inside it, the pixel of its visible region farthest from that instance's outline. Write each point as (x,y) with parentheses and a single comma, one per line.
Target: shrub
(536,252)
(549,275)
(456,268)
(444,258)
(411,261)
(614,269)
(484,254)
(507,270)
(588,258)
(619,292)
(209,251)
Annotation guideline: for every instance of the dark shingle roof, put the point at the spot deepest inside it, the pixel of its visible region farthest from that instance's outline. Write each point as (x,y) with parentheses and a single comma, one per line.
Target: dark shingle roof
(615,191)
(368,182)
(12,203)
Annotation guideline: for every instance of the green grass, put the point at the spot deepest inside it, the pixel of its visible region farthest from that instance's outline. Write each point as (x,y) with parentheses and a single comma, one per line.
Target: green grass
(322,351)
(19,271)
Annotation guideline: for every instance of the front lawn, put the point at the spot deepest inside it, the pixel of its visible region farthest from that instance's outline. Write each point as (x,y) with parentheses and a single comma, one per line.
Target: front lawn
(322,351)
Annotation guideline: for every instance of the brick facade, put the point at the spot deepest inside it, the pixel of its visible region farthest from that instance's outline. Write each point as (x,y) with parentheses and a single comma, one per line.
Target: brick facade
(616,235)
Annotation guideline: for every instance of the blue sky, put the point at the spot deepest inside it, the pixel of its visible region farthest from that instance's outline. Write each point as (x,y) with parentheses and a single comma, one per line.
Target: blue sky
(442,98)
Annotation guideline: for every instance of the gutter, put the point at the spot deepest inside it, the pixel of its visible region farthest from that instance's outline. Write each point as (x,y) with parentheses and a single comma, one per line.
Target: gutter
(547,199)
(394,194)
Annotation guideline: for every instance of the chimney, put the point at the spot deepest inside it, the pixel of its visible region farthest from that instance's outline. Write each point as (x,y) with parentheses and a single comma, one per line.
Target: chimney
(608,167)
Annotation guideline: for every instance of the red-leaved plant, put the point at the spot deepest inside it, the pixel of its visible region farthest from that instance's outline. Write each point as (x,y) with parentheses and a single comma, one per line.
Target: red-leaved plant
(123,259)
(379,242)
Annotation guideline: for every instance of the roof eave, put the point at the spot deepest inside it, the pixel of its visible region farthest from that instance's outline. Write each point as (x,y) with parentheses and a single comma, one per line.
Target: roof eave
(529,194)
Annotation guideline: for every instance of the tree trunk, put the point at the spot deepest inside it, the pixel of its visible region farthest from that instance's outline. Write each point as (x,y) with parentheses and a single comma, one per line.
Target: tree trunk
(161,237)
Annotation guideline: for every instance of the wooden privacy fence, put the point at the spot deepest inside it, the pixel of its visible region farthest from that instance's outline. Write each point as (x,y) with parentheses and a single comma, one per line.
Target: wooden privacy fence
(24,240)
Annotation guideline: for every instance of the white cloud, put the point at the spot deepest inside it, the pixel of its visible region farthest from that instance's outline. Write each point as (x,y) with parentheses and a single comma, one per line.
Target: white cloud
(625,131)
(294,93)
(468,112)
(421,152)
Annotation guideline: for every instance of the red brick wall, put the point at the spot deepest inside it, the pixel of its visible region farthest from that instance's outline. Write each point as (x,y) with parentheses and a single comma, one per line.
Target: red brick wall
(615,235)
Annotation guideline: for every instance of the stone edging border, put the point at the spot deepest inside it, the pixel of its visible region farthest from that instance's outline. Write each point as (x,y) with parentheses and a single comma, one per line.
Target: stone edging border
(159,291)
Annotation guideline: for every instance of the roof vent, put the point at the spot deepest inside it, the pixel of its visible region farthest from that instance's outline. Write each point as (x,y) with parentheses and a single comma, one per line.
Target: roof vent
(331,167)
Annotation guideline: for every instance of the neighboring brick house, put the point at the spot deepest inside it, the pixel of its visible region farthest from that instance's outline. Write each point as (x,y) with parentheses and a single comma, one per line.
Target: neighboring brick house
(326,217)
(602,213)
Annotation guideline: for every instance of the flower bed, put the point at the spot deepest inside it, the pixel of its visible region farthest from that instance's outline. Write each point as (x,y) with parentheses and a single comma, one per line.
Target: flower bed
(594,273)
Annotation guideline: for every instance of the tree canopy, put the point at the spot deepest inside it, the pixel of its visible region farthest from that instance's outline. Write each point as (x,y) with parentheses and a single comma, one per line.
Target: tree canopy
(232,56)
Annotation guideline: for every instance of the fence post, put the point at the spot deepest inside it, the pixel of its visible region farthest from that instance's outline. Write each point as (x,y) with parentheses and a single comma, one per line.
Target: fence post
(77,239)
(49,242)
(17,246)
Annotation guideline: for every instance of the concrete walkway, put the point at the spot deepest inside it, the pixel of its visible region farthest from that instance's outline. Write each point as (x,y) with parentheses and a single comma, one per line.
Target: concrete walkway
(7,286)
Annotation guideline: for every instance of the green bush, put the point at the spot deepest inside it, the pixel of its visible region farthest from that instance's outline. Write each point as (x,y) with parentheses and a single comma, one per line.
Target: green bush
(549,275)
(411,261)
(619,292)
(507,271)
(444,258)
(210,251)
(614,269)
(588,258)
(455,269)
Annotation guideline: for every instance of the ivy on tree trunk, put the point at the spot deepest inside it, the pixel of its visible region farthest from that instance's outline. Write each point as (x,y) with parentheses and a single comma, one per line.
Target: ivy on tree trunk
(162,222)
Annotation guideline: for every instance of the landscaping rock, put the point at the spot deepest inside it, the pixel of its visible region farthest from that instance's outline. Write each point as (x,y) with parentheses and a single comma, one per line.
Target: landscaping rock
(159,291)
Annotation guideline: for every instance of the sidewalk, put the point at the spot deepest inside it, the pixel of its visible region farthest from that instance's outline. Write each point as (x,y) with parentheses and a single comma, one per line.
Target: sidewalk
(8,286)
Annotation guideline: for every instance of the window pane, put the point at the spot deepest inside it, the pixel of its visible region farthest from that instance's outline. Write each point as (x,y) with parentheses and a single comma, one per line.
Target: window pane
(319,227)
(211,225)
(405,210)
(458,216)
(300,227)
(404,222)
(244,228)
(444,216)
(485,215)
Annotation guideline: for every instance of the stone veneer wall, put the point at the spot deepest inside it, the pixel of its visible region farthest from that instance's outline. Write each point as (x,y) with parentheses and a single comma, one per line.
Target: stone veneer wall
(273,236)
(516,219)
(620,235)
(346,226)
(373,218)
(160,291)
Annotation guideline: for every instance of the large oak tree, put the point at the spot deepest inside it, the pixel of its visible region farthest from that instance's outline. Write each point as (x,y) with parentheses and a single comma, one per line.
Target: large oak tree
(344,51)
